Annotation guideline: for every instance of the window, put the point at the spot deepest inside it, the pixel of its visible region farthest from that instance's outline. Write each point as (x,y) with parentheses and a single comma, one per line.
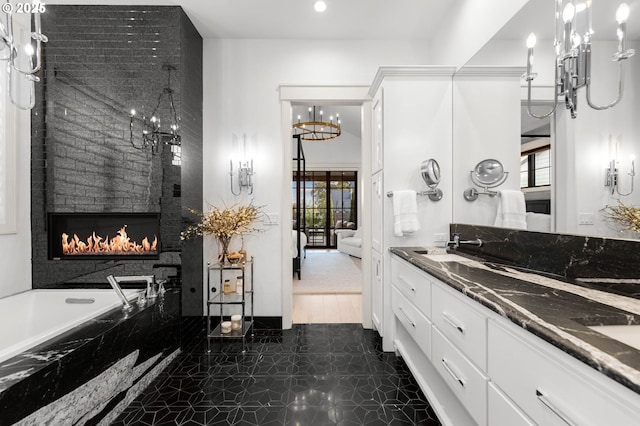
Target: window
(535,167)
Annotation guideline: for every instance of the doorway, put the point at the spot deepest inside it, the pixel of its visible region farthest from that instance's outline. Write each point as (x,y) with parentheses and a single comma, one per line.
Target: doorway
(325,95)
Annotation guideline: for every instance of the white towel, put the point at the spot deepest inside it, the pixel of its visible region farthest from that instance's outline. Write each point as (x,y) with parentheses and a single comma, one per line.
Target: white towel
(511,210)
(538,222)
(405,212)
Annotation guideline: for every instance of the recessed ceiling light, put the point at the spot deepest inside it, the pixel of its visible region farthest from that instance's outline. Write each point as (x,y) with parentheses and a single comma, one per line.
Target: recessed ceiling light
(320,6)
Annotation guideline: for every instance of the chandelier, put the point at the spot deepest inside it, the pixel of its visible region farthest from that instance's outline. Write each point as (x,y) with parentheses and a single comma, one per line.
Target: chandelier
(153,134)
(16,66)
(315,128)
(573,55)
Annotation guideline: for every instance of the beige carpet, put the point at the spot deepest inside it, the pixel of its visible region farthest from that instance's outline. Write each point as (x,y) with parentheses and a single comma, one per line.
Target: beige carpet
(328,273)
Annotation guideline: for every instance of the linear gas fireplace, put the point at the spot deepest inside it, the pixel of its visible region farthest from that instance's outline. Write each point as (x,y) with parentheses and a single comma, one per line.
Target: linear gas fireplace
(104,235)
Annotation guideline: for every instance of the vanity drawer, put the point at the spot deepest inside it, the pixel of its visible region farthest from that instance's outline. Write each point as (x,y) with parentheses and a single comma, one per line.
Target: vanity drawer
(553,388)
(502,411)
(413,283)
(461,323)
(412,320)
(466,381)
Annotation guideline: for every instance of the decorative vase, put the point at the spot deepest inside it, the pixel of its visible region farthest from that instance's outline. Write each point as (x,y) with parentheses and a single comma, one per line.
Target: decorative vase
(223,253)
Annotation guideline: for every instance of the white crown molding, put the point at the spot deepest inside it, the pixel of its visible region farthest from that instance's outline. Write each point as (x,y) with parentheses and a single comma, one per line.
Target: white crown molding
(345,94)
(490,71)
(405,71)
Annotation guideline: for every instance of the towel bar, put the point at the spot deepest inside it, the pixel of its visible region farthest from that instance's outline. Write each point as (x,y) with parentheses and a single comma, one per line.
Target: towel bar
(434,194)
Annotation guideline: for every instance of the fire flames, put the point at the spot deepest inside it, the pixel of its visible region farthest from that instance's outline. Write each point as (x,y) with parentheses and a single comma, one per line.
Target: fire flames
(121,244)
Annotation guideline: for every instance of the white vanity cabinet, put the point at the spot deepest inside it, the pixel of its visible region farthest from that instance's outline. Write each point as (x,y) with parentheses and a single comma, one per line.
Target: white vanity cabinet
(552,387)
(478,368)
(377,291)
(503,411)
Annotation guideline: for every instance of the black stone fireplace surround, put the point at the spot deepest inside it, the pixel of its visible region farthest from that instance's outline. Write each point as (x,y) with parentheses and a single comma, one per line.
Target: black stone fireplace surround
(99,63)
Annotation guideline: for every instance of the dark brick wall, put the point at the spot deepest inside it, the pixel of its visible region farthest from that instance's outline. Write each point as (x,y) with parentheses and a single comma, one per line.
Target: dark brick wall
(99,63)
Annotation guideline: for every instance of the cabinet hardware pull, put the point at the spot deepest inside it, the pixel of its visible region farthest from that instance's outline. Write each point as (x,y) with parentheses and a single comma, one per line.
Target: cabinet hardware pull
(450,371)
(413,324)
(452,323)
(543,398)
(405,282)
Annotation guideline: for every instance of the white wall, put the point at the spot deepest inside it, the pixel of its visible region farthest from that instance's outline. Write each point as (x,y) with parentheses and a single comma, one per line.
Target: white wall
(341,153)
(240,96)
(15,249)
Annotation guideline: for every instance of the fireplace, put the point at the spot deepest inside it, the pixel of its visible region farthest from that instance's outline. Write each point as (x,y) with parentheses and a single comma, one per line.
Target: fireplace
(104,236)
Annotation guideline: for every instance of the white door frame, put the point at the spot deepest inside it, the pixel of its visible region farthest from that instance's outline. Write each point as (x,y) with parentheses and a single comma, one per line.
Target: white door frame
(327,95)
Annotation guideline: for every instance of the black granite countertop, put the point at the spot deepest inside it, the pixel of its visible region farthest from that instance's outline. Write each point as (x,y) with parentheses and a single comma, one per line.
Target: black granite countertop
(554,308)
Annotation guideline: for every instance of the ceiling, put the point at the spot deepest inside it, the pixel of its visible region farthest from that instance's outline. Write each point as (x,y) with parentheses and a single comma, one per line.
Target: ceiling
(296,19)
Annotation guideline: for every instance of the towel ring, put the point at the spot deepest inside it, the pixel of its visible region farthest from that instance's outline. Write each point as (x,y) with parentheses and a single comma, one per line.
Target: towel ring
(487,174)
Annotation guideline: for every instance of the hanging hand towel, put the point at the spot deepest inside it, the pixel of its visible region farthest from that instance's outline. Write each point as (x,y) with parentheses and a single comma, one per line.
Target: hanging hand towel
(405,212)
(511,210)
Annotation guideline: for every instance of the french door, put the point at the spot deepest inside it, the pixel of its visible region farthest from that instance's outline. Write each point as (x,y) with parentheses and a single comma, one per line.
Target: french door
(329,202)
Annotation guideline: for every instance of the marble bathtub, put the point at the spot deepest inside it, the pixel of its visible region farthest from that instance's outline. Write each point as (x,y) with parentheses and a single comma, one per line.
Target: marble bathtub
(89,373)
(35,316)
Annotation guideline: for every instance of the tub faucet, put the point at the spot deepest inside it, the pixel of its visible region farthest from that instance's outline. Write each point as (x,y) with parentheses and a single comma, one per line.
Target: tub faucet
(457,242)
(116,287)
(151,292)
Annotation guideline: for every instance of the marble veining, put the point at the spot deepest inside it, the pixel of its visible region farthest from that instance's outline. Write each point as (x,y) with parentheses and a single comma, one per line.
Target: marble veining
(81,375)
(525,297)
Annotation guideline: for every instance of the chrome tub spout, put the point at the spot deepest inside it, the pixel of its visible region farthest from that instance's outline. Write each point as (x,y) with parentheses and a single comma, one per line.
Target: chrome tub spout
(116,287)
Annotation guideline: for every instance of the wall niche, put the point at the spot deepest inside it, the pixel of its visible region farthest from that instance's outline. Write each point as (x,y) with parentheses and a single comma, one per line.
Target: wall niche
(101,62)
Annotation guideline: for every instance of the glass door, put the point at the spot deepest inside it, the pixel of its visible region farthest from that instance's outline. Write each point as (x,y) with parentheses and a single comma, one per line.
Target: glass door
(329,203)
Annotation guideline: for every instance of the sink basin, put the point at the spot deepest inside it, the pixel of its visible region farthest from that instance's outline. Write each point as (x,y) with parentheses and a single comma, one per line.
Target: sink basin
(627,334)
(445,257)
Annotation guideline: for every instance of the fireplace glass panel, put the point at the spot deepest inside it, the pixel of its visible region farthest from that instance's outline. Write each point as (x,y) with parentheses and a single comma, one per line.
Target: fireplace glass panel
(104,235)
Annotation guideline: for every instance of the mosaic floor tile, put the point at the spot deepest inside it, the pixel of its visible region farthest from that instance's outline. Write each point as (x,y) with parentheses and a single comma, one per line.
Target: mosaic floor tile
(318,374)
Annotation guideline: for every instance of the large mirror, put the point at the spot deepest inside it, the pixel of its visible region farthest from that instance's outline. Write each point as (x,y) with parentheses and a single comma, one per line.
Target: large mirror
(572,169)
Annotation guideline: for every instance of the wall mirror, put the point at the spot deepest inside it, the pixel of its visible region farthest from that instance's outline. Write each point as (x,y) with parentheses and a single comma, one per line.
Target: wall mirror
(430,170)
(582,151)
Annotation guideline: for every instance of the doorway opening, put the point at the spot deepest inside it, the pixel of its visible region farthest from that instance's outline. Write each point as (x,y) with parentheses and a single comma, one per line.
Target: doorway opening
(333,184)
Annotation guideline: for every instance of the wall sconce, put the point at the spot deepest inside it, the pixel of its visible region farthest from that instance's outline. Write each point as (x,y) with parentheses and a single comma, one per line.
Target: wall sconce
(611,177)
(573,55)
(245,171)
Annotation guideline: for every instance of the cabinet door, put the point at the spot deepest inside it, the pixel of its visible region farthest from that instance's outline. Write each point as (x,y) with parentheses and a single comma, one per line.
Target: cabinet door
(378,133)
(377,205)
(377,296)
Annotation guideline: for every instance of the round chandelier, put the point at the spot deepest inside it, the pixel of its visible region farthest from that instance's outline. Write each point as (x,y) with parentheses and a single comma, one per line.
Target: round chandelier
(315,128)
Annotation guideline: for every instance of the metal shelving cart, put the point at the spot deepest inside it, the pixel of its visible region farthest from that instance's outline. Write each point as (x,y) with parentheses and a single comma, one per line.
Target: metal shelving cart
(217,298)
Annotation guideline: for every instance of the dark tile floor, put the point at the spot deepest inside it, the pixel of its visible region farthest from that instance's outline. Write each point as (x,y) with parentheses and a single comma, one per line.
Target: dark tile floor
(313,374)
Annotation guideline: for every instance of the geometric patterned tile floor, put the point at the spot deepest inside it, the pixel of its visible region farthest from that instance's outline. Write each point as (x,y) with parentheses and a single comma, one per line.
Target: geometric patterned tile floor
(313,374)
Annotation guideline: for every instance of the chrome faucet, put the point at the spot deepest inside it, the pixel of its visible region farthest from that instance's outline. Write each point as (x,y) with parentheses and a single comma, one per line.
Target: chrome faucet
(457,242)
(151,292)
(116,287)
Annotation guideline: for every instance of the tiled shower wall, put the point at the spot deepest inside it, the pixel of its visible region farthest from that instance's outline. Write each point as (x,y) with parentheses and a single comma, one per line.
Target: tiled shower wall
(99,63)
